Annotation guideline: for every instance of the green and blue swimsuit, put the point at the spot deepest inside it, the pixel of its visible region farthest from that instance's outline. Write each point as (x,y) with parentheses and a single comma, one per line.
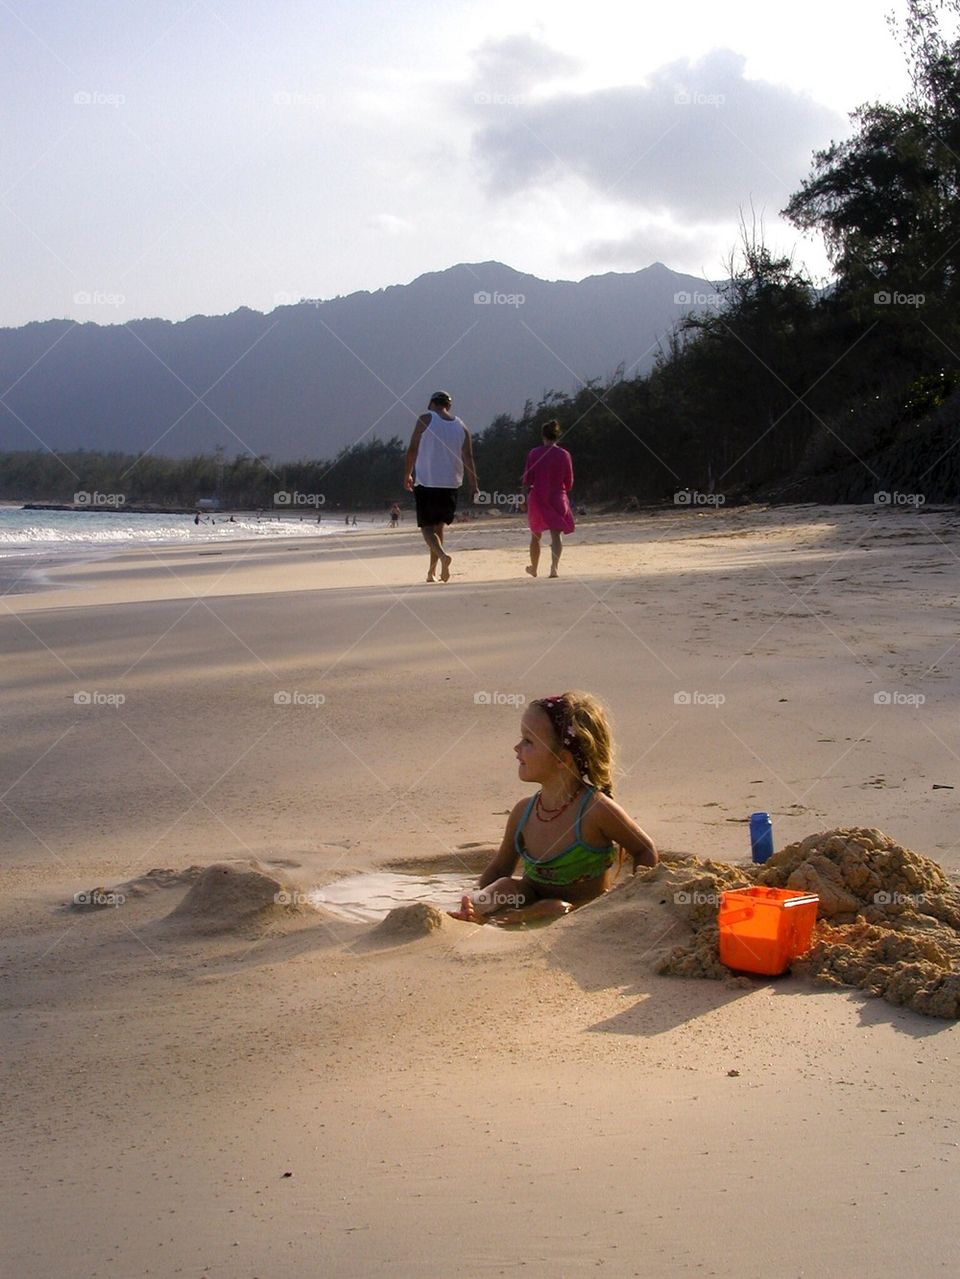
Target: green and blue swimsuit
(578,861)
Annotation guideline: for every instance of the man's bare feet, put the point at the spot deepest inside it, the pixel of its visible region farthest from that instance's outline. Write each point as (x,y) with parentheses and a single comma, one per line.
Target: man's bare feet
(467,912)
(431,578)
(531,570)
(554,573)
(445,567)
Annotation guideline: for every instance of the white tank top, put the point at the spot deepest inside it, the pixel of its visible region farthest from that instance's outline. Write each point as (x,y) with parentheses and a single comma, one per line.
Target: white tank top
(439,463)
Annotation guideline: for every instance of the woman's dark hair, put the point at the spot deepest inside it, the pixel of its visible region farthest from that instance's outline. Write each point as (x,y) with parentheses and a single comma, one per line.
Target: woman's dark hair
(551,430)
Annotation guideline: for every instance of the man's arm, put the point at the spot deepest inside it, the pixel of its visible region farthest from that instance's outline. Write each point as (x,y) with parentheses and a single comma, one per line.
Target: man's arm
(470,471)
(423,421)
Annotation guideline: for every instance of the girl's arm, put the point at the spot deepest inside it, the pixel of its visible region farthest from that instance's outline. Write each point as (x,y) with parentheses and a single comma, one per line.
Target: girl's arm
(618,827)
(506,859)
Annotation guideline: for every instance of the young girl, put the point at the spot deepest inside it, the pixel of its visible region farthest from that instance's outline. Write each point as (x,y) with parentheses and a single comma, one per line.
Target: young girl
(566,835)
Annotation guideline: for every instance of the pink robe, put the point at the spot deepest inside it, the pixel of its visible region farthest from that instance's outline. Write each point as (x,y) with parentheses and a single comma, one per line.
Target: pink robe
(549,473)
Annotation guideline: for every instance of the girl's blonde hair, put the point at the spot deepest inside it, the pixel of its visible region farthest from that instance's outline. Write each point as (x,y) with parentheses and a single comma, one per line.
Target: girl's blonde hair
(580,725)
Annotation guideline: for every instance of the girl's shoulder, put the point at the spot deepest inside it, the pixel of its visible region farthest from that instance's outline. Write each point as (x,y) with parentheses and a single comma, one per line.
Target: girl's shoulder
(519,809)
(601,806)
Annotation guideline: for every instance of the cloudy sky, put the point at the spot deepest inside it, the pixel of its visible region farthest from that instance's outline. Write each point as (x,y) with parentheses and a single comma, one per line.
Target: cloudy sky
(191,156)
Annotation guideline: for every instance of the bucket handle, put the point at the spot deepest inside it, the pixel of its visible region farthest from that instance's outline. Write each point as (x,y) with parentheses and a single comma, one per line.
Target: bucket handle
(737,916)
(802,901)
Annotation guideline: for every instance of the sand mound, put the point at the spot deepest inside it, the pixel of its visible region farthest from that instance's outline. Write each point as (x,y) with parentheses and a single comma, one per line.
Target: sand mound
(640,922)
(888,922)
(407,923)
(919,968)
(853,870)
(142,886)
(238,895)
(699,887)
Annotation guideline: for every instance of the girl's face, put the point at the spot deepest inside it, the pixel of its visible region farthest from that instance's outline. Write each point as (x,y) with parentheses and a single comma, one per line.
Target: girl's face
(536,750)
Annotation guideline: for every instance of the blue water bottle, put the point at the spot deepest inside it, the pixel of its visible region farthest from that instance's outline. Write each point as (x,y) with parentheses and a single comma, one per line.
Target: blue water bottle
(761,837)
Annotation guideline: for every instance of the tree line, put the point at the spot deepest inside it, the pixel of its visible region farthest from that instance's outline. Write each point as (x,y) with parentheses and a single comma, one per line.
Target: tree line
(787,391)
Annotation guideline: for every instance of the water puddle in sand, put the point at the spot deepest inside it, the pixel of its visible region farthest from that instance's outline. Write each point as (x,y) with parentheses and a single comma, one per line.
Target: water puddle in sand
(369,898)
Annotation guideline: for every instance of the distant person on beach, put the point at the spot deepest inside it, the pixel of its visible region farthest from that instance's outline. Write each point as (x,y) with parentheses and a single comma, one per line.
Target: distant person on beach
(394,515)
(441,452)
(547,480)
(566,836)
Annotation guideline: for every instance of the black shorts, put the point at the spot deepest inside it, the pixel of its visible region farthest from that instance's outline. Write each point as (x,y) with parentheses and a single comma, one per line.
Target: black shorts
(435,506)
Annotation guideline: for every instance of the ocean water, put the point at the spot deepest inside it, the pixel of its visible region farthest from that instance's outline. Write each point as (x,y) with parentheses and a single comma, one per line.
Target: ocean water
(55,533)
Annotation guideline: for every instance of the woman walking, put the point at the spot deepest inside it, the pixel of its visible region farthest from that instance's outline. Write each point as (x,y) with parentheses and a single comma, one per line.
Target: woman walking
(547,480)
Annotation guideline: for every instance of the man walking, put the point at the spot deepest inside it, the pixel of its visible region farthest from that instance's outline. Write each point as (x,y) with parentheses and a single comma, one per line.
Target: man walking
(441,452)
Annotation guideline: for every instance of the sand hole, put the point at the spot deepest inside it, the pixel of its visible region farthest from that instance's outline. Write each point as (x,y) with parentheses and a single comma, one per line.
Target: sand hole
(371,896)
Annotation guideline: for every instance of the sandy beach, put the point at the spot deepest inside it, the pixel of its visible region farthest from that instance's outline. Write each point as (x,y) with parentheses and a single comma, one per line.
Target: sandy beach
(197,1096)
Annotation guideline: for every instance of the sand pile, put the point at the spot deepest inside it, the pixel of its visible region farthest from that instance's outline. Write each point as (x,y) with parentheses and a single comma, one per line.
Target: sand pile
(860,870)
(407,923)
(915,966)
(142,886)
(238,896)
(698,887)
(640,922)
(888,923)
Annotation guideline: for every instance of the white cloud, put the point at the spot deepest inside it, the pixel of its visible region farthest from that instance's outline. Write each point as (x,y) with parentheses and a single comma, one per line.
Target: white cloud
(656,242)
(390,223)
(514,64)
(697,141)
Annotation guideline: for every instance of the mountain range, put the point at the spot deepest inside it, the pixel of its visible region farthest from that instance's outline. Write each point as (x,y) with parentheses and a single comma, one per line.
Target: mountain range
(312,377)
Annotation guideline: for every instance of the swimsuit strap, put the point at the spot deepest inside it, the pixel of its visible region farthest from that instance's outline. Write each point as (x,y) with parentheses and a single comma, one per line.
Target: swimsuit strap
(523,822)
(591,791)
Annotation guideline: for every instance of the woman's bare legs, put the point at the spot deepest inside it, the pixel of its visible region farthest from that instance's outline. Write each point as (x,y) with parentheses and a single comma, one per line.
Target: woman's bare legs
(556,548)
(534,554)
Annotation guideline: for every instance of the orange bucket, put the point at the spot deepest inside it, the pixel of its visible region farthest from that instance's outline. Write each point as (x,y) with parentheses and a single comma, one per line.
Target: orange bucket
(763,930)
